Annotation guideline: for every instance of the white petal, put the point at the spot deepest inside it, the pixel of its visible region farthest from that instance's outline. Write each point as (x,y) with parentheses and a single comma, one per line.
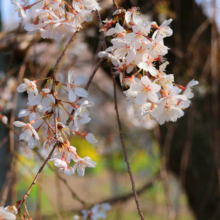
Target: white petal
(137,19)
(45,102)
(145,80)
(128,16)
(84,121)
(60,163)
(141,98)
(153,97)
(90,138)
(23,113)
(89,162)
(80,170)
(19,124)
(110,32)
(69,171)
(70,77)
(192,83)
(153,71)
(52,99)
(23,87)
(79,80)
(72,96)
(35,100)
(81,92)
(31,143)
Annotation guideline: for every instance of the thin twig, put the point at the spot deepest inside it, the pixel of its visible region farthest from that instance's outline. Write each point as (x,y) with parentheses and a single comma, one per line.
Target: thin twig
(119,124)
(74,195)
(125,197)
(119,199)
(41,186)
(64,52)
(36,177)
(115,4)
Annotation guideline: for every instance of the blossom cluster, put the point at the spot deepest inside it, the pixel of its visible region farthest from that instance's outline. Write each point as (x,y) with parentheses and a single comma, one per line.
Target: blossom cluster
(45,115)
(140,53)
(96,212)
(55,18)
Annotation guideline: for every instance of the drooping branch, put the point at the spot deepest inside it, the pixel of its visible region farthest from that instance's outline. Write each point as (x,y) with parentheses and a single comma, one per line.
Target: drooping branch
(119,124)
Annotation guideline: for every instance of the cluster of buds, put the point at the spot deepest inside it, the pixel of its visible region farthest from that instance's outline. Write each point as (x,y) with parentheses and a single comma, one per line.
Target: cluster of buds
(47,111)
(138,52)
(96,212)
(55,18)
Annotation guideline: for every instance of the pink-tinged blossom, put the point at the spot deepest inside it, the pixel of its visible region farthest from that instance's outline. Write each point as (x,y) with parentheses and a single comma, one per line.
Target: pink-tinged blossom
(109,56)
(81,164)
(20,8)
(147,90)
(148,66)
(118,29)
(164,30)
(168,109)
(45,98)
(188,90)
(29,134)
(88,4)
(132,16)
(73,87)
(28,86)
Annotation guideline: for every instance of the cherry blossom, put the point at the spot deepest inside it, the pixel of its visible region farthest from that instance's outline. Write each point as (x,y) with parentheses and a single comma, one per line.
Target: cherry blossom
(6,215)
(20,8)
(29,134)
(73,87)
(81,164)
(28,86)
(146,91)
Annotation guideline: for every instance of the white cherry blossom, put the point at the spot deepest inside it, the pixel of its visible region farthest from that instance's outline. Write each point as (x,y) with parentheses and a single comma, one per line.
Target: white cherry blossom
(20,8)
(188,91)
(6,215)
(168,109)
(147,90)
(99,211)
(29,134)
(28,86)
(73,86)
(81,164)
(45,98)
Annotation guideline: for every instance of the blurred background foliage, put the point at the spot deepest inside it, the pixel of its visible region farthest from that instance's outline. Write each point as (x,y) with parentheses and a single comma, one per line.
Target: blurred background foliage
(175,166)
